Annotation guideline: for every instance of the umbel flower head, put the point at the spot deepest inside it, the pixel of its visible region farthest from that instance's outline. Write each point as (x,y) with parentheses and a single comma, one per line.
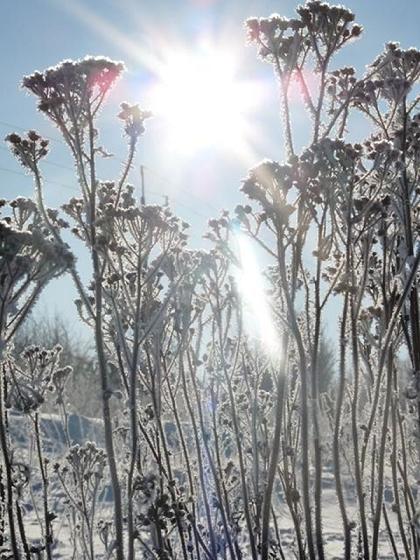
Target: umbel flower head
(31,378)
(28,150)
(319,27)
(28,254)
(133,118)
(395,71)
(87,461)
(72,91)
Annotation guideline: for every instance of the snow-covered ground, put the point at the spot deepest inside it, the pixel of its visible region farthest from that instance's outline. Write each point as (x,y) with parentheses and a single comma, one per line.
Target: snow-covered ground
(86,429)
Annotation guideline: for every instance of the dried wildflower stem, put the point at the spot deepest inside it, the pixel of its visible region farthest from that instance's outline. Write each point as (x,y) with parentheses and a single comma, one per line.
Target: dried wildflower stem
(162,439)
(354,420)
(284,80)
(133,407)
(407,491)
(354,315)
(126,169)
(275,447)
(223,493)
(57,237)
(45,483)
(217,474)
(408,228)
(100,347)
(203,485)
(217,309)
(304,390)
(7,468)
(257,459)
(382,454)
(22,532)
(394,467)
(391,535)
(305,92)
(276,528)
(338,428)
(188,467)
(320,104)
(315,390)
(386,341)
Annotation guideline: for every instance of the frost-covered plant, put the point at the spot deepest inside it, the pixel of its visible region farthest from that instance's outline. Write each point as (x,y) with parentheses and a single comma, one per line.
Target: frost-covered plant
(27,383)
(132,247)
(358,201)
(71,95)
(29,259)
(48,331)
(82,478)
(210,440)
(30,380)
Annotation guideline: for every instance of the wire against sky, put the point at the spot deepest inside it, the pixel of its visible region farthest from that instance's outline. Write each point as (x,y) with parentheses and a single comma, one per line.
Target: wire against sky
(162,179)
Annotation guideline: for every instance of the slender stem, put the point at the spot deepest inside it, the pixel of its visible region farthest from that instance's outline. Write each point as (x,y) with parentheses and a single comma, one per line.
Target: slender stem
(337,431)
(275,448)
(100,347)
(8,469)
(45,484)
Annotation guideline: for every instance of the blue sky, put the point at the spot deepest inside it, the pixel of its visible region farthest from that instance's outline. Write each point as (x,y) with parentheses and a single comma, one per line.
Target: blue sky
(40,33)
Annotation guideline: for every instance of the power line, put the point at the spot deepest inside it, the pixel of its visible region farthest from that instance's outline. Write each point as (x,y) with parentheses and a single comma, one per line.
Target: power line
(164,180)
(74,189)
(47,161)
(48,181)
(25,129)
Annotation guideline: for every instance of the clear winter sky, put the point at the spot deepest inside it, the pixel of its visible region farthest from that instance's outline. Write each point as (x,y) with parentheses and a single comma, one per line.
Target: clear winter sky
(36,34)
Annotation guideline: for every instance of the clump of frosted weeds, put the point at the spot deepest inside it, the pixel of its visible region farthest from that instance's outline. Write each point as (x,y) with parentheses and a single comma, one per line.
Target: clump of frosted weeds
(217,443)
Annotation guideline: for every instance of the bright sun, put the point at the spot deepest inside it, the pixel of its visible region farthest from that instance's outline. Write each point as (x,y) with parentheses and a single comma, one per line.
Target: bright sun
(203,103)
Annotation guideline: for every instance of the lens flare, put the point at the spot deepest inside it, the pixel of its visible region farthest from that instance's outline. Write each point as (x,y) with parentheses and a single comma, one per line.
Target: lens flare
(196,92)
(257,313)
